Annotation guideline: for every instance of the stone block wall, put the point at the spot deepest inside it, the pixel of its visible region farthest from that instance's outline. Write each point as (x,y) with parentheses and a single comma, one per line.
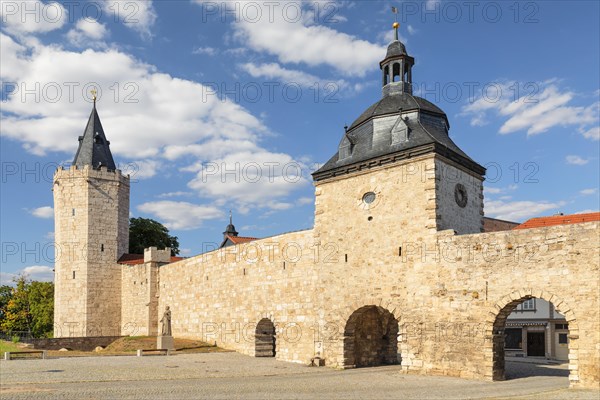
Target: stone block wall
(139,288)
(92,222)
(449,294)
(221,296)
(449,214)
(84,343)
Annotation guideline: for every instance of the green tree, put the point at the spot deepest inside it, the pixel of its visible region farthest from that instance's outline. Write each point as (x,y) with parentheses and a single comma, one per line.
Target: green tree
(5,296)
(41,308)
(16,313)
(145,232)
(29,307)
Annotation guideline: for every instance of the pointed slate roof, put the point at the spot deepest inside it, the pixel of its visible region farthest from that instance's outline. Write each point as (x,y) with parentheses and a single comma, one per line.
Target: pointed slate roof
(93,148)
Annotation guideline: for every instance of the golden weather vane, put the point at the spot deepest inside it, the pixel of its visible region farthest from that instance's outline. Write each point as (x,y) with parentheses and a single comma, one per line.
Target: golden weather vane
(94,92)
(396,24)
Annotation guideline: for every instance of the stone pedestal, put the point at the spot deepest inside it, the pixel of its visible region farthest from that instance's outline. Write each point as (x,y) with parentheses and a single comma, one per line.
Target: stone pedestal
(165,342)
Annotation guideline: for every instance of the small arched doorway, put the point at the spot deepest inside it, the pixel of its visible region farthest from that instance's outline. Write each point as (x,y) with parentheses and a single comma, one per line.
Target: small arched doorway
(264,339)
(371,338)
(524,329)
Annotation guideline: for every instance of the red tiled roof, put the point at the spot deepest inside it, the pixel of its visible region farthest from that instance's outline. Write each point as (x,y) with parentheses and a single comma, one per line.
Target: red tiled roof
(135,259)
(559,220)
(240,239)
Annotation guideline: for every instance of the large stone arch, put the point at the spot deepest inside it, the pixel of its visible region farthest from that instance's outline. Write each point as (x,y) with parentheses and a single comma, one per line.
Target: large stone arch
(496,321)
(370,337)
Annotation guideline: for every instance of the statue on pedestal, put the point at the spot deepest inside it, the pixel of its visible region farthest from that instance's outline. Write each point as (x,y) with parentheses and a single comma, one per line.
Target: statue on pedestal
(166,323)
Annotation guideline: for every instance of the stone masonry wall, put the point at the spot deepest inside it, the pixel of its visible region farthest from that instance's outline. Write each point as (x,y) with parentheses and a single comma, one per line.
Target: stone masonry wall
(447,301)
(467,219)
(135,288)
(91,225)
(222,295)
(139,288)
(70,233)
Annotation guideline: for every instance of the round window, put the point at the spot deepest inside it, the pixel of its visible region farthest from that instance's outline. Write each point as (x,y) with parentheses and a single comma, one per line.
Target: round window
(369,197)
(460,195)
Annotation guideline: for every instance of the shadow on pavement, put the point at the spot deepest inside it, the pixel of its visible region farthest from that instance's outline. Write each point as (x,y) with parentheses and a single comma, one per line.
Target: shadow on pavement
(517,370)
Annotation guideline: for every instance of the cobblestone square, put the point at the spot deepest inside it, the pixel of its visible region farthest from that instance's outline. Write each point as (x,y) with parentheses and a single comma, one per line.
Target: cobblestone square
(235,376)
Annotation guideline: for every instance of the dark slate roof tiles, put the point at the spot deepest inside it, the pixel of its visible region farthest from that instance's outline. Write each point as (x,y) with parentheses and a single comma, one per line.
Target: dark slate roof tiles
(93,148)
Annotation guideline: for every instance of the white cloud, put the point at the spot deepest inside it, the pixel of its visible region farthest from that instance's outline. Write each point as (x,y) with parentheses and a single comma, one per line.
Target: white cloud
(87,33)
(576,160)
(301,40)
(142,169)
(499,190)
(173,194)
(138,15)
(39,273)
(518,210)
(13,58)
(43,212)
(588,192)
(277,72)
(411,30)
(302,201)
(588,211)
(209,51)
(251,179)
(180,215)
(32,16)
(546,107)
(592,133)
(150,104)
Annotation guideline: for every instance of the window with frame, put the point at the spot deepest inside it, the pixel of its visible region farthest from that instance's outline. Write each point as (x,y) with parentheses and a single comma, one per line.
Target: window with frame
(528,305)
(562,338)
(513,338)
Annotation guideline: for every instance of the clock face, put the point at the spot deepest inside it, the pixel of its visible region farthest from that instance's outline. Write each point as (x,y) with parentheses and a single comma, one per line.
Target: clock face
(369,197)
(460,195)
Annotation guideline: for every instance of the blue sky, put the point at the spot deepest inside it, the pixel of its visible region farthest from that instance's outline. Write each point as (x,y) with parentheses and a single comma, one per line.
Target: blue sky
(213,106)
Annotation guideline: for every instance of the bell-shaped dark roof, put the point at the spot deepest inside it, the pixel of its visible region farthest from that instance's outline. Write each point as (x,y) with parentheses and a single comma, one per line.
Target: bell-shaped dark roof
(427,132)
(395,48)
(392,104)
(230,230)
(94,149)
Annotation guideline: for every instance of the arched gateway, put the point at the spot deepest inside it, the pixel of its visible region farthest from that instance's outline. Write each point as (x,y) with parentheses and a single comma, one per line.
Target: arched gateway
(495,347)
(371,338)
(264,339)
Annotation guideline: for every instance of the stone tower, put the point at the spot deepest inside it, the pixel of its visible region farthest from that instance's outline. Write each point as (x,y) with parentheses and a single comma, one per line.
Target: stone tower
(91,216)
(397,176)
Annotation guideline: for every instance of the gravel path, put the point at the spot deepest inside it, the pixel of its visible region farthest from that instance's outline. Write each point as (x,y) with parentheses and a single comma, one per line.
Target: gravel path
(235,376)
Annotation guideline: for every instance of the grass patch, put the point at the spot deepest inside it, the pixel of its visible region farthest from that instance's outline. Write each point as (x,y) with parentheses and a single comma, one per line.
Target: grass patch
(8,346)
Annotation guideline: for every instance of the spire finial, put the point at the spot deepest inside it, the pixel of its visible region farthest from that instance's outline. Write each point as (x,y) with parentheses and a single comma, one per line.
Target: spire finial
(94,93)
(230,218)
(395,25)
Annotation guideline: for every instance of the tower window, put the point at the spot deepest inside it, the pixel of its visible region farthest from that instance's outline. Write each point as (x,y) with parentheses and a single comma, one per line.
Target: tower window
(396,72)
(101,247)
(73,212)
(73,274)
